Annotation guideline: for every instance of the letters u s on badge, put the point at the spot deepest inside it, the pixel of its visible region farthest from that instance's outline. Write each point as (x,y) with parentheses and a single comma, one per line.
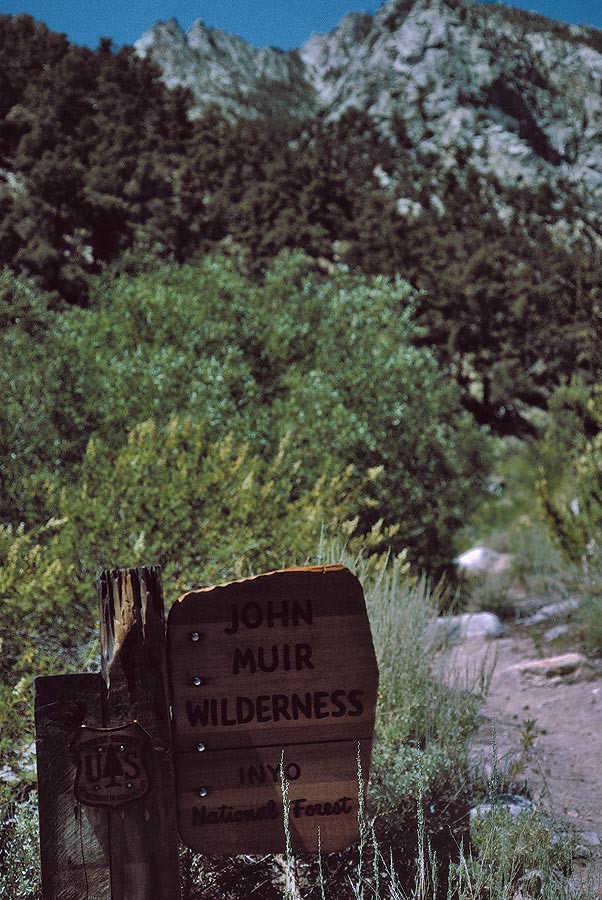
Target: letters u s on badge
(111,768)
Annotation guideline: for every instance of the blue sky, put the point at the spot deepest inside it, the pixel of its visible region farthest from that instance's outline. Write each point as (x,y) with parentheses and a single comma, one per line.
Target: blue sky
(280,23)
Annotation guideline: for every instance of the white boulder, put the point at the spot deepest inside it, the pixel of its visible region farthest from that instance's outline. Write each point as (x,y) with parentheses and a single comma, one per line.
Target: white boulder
(469,625)
(483,561)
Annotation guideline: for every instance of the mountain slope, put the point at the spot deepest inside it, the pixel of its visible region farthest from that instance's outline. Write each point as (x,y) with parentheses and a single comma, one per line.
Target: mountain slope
(430,141)
(514,96)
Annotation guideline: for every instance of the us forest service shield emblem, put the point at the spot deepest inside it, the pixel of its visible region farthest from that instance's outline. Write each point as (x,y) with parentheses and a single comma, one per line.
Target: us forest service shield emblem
(111,767)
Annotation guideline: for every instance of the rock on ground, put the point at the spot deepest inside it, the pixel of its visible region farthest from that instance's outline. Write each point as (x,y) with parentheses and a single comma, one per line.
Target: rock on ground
(513,803)
(555,633)
(483,561)
(567,664)
(553,611)
(469,625)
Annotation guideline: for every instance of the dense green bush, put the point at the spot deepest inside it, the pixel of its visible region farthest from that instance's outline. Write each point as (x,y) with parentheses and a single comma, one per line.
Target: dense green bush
(329,367)
(570,496)
(19,851)
(577,526)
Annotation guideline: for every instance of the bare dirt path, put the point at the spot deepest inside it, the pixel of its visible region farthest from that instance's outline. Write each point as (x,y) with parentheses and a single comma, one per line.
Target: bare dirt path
(550,728)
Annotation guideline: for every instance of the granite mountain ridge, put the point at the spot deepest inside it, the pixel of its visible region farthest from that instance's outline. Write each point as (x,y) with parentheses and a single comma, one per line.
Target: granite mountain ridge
(511,96)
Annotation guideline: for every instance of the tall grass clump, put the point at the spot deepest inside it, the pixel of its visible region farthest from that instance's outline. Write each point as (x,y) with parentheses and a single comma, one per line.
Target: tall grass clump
(423,723)
(514,855)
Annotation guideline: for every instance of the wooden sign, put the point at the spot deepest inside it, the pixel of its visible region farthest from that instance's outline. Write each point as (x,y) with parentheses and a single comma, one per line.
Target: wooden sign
(280,666)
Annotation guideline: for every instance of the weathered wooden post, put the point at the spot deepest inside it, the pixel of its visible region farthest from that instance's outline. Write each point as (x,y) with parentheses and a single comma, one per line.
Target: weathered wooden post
(107,800)
(143,835)
(74,839)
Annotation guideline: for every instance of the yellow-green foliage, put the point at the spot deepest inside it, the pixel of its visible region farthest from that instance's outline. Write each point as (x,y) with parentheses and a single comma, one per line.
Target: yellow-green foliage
(204,510)
(45,624)
(19,851)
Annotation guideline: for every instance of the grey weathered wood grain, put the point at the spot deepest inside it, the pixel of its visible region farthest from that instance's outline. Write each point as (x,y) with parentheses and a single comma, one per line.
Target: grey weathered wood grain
(143,834)
(74,839)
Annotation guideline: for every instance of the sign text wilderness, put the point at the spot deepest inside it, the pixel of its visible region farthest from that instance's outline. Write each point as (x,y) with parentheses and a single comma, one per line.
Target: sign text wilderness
(273,658)
(276,667)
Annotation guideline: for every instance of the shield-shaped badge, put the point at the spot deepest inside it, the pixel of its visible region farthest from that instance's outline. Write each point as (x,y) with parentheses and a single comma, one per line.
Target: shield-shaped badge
(110,764)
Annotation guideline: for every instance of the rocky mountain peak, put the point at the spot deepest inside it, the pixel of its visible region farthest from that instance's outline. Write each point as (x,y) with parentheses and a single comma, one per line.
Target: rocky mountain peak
(213,44)
(512,96)
(222,68)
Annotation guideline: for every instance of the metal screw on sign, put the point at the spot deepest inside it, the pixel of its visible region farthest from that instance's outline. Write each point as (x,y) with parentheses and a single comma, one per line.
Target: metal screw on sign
(203,792)
(195,636)
(201,747)
(197,681)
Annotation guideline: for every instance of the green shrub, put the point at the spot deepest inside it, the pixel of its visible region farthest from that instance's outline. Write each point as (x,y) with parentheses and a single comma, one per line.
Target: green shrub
(513,853)
(571,418)
(328,366)
(577,524)
(590,611)
(47,625)
(571,496)
(204,509)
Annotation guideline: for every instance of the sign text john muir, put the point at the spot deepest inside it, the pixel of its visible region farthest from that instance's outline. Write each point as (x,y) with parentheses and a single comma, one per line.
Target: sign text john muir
(280,663)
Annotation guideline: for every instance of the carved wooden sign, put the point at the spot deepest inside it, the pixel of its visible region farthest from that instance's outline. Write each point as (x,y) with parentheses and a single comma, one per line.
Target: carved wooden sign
(280,666)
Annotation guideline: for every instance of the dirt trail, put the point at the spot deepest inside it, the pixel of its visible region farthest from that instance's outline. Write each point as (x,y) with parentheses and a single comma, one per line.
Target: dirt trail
(551,727)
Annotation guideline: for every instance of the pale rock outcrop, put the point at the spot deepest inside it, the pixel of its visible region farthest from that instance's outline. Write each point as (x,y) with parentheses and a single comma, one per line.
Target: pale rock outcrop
(567,665)
(559,610)
(513,97)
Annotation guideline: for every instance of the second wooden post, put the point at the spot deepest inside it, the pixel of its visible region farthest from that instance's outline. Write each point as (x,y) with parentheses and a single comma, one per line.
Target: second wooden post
(143,834)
